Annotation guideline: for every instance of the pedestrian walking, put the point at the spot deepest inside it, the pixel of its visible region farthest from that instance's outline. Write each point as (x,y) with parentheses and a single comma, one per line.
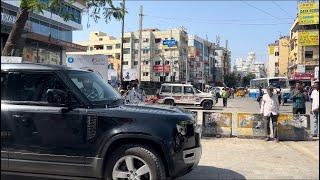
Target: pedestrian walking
(315,109)
(224,95)
(259,98)
(270,111)
(299,98)
(279,94)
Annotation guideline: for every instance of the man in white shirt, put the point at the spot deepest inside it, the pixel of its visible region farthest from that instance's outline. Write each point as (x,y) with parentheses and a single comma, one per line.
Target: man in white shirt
(315,108)
(270,111)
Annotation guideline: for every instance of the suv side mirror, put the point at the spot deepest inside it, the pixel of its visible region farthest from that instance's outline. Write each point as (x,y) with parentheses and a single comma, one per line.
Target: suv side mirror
(57,96)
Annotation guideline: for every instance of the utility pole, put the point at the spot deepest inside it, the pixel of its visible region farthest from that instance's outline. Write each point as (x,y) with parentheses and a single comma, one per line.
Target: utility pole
(122,35)
(171,66)
(140,43)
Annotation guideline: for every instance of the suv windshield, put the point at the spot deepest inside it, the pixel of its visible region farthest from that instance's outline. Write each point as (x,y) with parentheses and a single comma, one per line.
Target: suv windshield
(94,87)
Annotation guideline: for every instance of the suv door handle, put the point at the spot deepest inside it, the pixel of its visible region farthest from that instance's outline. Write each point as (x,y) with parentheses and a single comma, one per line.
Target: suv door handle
(17,116)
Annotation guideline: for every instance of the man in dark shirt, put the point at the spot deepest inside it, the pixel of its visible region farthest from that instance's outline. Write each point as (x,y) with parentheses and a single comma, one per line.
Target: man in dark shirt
(89,90)
(299,98)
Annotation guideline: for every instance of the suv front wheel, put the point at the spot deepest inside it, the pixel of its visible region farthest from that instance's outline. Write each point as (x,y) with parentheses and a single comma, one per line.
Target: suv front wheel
(134,162)
(207,104)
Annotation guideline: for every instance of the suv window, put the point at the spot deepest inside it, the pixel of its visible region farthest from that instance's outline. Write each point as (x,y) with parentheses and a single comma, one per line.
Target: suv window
(28,86)
(188,90)
(177,89)
(166,89)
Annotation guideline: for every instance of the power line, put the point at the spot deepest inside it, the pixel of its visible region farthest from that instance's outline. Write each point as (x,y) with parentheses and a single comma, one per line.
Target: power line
(211,22)
(265,12)
(281,8)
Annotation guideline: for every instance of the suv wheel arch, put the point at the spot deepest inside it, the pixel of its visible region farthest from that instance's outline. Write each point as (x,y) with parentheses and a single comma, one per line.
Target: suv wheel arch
(143,140)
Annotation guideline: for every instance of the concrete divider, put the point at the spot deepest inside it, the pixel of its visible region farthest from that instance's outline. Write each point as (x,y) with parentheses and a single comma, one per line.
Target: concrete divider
(251,125)
(216,124)
(294,127)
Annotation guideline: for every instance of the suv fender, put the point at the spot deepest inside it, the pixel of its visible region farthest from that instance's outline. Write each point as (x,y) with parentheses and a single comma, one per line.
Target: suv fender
(144,139)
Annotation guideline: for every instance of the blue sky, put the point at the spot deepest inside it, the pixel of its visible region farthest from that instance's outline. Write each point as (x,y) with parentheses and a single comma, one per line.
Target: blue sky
(247,25)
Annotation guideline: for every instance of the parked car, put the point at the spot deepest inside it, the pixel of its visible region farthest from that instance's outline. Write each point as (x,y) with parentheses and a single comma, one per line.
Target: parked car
(172,94)
(62,122)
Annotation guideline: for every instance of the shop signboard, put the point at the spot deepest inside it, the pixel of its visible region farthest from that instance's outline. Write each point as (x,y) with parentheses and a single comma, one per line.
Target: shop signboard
(160,68)
(308,13)
(302,76)
(308,38)
(301,68)
(169,44)
(96,63)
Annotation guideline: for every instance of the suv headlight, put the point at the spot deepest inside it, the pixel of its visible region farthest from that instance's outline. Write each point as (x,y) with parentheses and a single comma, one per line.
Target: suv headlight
(182,128)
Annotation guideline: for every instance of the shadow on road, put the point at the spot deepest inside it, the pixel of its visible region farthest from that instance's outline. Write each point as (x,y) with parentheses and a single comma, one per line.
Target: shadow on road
(209,172)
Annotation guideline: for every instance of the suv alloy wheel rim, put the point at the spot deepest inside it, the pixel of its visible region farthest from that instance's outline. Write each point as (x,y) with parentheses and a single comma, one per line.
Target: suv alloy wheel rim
(132,168)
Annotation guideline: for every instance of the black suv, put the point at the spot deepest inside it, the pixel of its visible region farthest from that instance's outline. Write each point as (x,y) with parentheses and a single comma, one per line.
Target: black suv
(63,122)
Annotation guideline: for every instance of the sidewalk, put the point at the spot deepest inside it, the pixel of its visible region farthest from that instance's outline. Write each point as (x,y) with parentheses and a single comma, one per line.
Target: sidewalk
(234,158)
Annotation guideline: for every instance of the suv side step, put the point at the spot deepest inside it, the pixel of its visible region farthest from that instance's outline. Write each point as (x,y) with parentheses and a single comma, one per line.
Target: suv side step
(45,175)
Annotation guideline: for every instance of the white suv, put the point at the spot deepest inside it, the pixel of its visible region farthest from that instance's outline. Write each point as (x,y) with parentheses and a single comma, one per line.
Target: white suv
(173,94)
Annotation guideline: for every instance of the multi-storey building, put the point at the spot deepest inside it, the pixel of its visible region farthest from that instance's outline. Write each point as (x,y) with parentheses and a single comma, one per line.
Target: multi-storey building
(222,58)
(46,36)
(283,55)
(273,59)
(200,61)
(303,57)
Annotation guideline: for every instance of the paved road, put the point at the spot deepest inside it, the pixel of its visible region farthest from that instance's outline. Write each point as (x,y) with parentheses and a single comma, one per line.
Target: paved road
(233,158)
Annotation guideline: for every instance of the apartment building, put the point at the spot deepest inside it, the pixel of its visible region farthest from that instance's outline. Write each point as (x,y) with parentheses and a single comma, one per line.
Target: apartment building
(273,59)
(283,55)
(222,58)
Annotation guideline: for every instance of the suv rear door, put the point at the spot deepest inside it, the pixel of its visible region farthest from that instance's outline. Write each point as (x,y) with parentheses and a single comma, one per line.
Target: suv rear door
(188,95)
(177,94)
(45,140)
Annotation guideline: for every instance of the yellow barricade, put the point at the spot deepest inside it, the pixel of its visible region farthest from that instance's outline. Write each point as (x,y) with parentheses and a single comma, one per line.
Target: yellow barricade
(216,124)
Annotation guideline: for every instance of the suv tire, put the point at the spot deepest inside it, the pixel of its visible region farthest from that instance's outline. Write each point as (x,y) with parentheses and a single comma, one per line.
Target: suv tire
(169,102)
(207,105)
(140,156)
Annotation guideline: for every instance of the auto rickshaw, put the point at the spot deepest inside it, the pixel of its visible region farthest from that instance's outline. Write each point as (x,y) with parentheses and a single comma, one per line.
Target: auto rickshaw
(241,92)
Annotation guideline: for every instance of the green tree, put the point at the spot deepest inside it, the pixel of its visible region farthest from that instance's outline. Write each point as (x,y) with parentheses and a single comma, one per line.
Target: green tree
(246,79)
(97,9)
(230,80)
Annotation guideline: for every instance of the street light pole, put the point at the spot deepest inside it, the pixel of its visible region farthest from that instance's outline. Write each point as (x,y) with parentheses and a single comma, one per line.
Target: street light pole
(122,35)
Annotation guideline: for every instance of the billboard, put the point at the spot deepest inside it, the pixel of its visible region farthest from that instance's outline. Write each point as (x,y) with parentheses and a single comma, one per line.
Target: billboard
(169,44)
(308,13)
(308,38)
(96,63)
(130,74)
(271,50)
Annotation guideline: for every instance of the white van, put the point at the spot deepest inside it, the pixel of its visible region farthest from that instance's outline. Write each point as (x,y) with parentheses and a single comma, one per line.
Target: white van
(172,94)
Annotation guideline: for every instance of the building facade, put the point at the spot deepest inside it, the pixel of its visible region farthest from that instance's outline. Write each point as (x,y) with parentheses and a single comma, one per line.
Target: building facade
(46,36)
(303,57)
(283,55)
(273,60)
(222,58)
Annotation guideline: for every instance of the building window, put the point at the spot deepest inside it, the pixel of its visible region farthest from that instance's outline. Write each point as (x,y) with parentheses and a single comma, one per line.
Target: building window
(98,47)
(117,55)
(158,51)
(276,53)
(110,56)
(135,63)
(167,62)
(100,39)
(126,51)
(136,40)
(145,51)
(157,62)
(157,74)
(308,54)
(91,48)
(126,40)
(136,51)
(109,47)
(145,73)
(157,40)
(145,40)
(118,46)
(125,63)
(145,62)
(111,66)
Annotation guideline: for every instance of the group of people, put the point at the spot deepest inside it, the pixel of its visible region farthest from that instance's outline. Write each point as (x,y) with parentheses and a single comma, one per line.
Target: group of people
(132,92)
(270,105)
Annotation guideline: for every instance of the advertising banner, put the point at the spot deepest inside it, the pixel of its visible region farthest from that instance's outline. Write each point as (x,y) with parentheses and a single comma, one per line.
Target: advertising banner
(293,127)
(130,74)
(308,13)
(169,44)
(216,123)
(11,59)
(96,63)
(271,50)
(301,68)
(302,76)
(308,38)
